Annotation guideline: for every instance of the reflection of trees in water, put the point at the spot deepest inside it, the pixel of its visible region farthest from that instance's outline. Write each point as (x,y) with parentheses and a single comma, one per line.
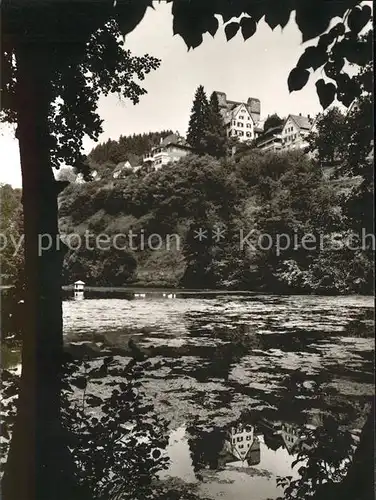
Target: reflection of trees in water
(325,462)
(236,328)
(303,393)
(205,447)
(236,341)
(114,436)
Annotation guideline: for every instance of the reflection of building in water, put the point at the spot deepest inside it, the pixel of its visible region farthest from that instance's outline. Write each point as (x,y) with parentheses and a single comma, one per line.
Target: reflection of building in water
(289,435)
(241,444)
(292,437)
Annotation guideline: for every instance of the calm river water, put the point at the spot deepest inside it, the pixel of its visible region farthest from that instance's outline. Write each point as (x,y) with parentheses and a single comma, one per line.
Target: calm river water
(239,376)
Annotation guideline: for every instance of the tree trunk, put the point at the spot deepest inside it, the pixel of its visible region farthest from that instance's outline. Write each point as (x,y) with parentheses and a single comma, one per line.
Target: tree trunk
(35,461)
(359,484)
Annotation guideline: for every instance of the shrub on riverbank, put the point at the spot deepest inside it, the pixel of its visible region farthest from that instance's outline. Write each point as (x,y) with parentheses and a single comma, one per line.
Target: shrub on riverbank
(116,440)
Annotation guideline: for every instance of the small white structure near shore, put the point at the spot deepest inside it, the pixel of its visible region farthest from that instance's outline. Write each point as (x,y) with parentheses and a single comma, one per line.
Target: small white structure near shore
(79,287)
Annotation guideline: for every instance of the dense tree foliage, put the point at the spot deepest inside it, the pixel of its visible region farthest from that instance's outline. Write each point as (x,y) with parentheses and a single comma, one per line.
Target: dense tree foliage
(272,121)
(280,195)
(352,149)
(215,135)
(131,148)
(11,231)
(327,141)
(206,131)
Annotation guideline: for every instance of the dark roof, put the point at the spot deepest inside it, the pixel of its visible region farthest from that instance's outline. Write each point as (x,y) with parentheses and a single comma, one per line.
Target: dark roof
(301,121)
(173,139)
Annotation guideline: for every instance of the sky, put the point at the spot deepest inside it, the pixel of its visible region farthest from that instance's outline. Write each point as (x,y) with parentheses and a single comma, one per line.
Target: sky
(258,68)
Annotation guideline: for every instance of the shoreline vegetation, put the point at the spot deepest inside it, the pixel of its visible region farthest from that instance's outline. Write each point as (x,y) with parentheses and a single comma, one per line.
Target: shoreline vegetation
(159,289)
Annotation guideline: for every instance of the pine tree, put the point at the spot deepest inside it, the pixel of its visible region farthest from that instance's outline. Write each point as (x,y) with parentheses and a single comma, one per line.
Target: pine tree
(198,122)
(215,136)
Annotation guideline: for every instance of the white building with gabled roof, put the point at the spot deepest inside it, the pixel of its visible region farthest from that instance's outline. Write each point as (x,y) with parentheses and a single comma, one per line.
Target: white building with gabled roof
(295,131)
(170,150)
(241,119)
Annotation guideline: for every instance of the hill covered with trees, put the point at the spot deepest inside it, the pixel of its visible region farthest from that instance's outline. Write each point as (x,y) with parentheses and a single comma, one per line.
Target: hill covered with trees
(245,205)
(251,199)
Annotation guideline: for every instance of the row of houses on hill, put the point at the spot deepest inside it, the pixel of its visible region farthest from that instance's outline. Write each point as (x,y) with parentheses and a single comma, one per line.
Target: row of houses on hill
(242,121)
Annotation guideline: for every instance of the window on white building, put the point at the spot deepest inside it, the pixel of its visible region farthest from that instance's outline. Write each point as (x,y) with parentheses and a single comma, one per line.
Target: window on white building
(249,125)
(248,134)
(240,132)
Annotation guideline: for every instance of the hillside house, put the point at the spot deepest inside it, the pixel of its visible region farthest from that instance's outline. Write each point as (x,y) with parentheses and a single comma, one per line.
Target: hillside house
(295,131)
(94,175)
(123,168)
(241,119)
(171,149)
(120,169)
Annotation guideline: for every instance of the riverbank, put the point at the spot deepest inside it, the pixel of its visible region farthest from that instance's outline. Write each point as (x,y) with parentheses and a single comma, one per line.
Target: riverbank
(155,290)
